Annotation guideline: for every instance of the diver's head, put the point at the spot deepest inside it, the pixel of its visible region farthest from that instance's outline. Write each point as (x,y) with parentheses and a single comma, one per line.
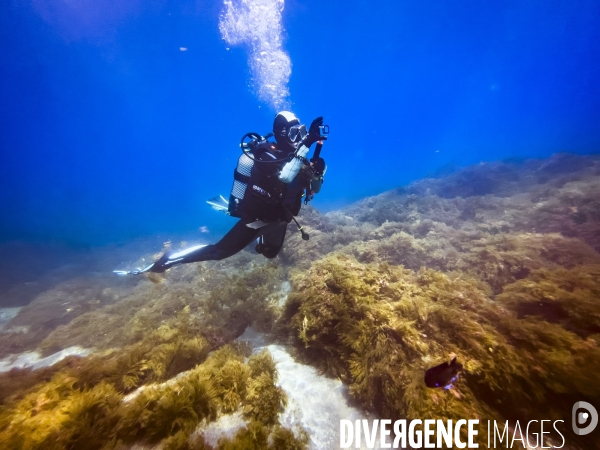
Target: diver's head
(288,130)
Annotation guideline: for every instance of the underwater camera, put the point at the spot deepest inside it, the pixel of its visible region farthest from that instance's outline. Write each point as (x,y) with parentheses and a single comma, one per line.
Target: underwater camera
(324,130)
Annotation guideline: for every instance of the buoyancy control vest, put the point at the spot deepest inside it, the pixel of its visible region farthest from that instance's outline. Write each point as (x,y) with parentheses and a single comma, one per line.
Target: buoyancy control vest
(257,192)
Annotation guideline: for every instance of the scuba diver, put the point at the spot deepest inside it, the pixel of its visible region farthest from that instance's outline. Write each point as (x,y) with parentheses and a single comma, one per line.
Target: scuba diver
(270,180)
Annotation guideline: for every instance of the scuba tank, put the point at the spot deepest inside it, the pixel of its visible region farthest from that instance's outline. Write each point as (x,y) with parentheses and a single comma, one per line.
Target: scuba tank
(242,172)
(250,144)
(241,178)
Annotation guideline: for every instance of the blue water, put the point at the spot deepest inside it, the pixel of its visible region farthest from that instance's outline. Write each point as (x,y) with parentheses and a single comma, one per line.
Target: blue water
(118,122)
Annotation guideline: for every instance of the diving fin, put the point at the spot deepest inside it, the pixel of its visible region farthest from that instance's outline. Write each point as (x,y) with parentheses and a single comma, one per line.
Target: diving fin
(138,271)
(219,203)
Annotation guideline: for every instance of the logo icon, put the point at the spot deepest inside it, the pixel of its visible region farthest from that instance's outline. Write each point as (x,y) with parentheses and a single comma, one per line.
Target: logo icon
(580,418)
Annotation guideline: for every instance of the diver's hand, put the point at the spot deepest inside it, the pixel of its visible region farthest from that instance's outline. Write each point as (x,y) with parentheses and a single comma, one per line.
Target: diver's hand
(314,132)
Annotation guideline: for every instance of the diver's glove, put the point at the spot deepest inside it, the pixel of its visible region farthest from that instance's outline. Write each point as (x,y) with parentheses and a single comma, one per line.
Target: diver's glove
(314,132)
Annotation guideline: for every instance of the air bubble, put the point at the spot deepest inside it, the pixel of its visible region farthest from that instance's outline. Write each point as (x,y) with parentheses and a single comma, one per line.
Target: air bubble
(257,24)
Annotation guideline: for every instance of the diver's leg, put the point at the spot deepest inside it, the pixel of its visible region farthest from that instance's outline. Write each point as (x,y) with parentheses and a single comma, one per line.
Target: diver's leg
(271,239)
(234,241)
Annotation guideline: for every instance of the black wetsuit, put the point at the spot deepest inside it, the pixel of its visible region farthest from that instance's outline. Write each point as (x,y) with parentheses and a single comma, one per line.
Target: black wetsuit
(263,218)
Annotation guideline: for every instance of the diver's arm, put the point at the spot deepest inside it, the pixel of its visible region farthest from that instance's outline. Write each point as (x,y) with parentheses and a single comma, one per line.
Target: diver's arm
(291,168)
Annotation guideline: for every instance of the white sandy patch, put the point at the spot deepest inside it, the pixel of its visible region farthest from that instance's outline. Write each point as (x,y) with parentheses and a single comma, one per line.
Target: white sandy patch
(226,426)
(7,314)
(32,359)
(286,288)
(315,403)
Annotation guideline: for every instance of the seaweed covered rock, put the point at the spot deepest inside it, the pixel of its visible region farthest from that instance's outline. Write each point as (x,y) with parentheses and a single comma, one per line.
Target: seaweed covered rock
(495,257)
(210,303)
(510,177)
(496,264)
(504,258)
(264,400)
(160,411)
(379,327)
(570,297)
(432,218)
(58,416)
(57,306)
(151,365)
(257,437)
(72,410)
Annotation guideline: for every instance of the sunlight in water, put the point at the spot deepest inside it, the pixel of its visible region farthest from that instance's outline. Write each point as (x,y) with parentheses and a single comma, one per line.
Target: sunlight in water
(256,24)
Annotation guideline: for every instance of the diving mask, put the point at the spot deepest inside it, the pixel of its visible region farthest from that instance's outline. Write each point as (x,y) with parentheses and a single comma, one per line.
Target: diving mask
(297,131)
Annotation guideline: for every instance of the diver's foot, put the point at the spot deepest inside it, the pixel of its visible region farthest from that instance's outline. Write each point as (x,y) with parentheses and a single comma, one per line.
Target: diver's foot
(160,265)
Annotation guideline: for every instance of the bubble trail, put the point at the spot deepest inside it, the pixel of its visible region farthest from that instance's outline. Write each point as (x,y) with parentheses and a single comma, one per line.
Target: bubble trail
(257,24)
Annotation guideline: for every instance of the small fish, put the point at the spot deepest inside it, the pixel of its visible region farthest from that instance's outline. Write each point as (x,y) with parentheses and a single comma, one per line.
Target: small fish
(444,375)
